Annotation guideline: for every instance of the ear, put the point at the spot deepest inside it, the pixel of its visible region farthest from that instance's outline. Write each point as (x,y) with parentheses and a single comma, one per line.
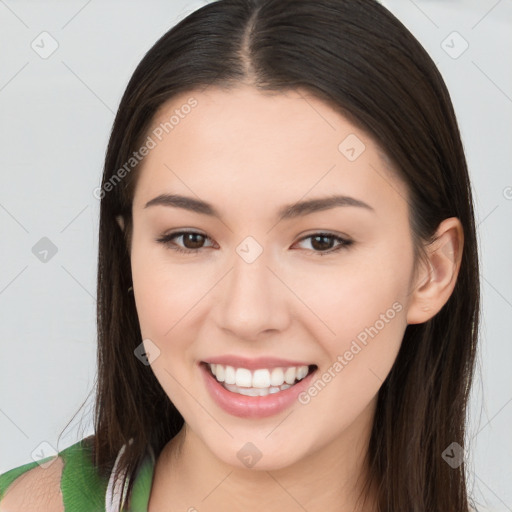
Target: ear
(120,221)
(437,278)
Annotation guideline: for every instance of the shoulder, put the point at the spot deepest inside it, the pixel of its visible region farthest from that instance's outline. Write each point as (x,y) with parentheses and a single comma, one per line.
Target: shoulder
(37,489)
(65,482)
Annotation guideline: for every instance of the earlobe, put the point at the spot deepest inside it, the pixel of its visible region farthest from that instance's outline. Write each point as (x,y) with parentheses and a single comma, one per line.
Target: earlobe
(438,277)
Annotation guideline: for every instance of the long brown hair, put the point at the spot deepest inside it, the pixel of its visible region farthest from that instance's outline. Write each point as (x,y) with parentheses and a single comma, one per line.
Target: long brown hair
(361,59)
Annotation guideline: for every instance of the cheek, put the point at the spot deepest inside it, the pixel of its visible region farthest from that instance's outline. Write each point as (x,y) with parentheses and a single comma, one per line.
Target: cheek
(368,324)
(345,299)
(164,293)
(359,321)
(362,307)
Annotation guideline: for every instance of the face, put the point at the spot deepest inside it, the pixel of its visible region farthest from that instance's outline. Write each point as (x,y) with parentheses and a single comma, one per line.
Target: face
(257,293)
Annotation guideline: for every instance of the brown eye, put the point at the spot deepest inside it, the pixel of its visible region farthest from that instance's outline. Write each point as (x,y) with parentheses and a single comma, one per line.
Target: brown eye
(192,241)
(322,243)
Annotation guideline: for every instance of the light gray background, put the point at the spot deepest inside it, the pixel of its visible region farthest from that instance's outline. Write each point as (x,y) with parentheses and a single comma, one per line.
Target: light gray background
(55,117)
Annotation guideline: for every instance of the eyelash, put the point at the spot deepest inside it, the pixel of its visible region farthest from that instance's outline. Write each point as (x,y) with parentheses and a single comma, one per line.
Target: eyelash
(166,240)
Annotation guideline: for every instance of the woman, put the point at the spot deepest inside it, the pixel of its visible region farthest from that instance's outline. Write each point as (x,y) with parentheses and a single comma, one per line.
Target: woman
(288,291)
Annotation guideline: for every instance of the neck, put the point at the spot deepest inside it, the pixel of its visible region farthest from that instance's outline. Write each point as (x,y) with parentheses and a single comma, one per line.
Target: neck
(189,476)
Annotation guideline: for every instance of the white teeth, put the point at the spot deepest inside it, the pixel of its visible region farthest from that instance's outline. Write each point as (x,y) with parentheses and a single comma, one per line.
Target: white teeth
(229,374)
(261,379)
(289,375)
(255,391)
(220,372)
(302,371)
(277,377)
(267,380)
(243,378)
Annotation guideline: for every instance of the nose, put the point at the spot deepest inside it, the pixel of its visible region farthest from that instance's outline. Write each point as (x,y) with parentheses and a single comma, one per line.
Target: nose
(253,300)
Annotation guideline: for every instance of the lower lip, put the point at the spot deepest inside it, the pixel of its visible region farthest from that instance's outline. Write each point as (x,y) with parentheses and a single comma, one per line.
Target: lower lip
(252,406)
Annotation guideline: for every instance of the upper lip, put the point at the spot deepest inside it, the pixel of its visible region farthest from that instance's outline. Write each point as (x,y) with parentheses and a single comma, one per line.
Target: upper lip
(254,363)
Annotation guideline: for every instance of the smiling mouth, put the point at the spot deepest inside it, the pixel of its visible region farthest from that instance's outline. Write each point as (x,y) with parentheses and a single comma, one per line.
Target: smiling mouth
(260,382)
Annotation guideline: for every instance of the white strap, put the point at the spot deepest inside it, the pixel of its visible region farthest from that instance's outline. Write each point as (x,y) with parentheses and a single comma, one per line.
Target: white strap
(113,497)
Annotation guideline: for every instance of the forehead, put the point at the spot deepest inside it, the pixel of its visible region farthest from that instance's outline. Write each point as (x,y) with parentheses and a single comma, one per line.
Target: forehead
(247,146)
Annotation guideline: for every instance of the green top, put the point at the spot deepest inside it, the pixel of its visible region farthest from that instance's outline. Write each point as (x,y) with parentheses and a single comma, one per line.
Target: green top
(83,490)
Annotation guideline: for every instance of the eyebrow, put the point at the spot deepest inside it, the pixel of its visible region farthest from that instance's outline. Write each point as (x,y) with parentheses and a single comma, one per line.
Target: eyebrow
(290,211)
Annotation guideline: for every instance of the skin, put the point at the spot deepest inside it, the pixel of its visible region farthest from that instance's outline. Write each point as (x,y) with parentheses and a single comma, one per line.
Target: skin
(248,153)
